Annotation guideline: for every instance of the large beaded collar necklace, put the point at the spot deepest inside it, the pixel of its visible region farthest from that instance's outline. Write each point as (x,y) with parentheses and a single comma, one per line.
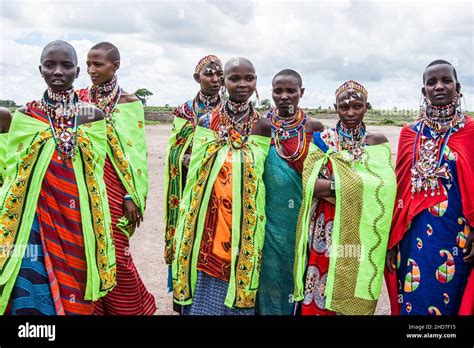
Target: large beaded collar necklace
(433,130)
(286,128)
(106,97)
(236,132)
(62,109)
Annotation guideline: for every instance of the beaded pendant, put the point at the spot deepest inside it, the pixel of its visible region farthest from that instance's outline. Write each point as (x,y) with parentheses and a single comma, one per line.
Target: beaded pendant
(62,109)
(428,153)
(427,169)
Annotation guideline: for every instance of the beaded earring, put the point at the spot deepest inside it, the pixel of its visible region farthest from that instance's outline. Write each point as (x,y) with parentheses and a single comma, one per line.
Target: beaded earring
(223,93)
(258,98)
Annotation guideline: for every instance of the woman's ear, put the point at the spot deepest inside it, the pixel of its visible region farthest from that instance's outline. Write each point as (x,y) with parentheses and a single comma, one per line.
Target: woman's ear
(116,65)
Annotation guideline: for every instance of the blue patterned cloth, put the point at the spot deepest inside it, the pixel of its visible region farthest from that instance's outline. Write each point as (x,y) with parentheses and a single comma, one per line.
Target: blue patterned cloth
(31,294)
(209,298)
(431,272)
(283,187)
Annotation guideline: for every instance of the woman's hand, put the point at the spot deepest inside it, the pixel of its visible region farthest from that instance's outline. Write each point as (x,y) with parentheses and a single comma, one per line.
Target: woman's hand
(469,248)
(391,259)
(132,213)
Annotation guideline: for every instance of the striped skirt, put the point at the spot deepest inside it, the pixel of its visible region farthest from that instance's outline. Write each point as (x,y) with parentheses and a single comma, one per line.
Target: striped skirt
(130,296)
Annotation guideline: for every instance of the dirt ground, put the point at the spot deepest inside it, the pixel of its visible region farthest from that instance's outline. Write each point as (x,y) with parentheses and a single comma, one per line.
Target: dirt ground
(148,241)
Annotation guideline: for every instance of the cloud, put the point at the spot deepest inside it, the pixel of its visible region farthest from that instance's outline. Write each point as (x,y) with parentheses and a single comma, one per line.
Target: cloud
(385,45)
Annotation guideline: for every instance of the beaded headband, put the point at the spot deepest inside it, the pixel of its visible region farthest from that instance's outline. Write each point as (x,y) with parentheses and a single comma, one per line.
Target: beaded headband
(351,84)
(202,63)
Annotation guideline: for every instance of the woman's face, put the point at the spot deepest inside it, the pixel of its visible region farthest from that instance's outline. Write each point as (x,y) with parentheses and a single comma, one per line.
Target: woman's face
(99,67)
(286,94)
(440,84)
(210,78)
(240,81)
(59,69)
(351,107)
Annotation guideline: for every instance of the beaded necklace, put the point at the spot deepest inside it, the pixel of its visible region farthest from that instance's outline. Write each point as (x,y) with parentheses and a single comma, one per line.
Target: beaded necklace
(440,118)
(440,112)
(106,97)
(208,100)
(235,107)
(235,132)
(288,128)
(351,139)
(429,150)
(202,104)
(62,109)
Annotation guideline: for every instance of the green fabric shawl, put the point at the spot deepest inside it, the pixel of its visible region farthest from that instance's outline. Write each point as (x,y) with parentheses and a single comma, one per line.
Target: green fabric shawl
(248,216)
(180,140)
(127,149)
(365,195)
(31,148)
(3,155)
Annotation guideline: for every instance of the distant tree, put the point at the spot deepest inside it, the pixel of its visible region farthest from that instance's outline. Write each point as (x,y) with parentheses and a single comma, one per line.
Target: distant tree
(8,104)
(265,104)
(143,94)
(369,106)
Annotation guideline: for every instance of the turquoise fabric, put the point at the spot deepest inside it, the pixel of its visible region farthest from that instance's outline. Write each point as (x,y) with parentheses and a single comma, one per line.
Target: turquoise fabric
(283,201)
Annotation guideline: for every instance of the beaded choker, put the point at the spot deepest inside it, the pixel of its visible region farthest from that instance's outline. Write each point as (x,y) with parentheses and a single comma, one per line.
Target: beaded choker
(351,139)
(62,109)
(441,118)
(288,128)
(61,97)
(237,107)
(440,111)
(202,104)
(106,96)
(106,87)
(208,100)
(235,132)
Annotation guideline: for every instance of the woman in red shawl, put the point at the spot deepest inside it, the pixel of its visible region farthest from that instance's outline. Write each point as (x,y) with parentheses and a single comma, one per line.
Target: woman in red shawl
(431,238)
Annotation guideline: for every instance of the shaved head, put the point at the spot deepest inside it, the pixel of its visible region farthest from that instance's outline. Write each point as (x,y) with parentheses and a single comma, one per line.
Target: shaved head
(292,73)
(113,53)
(233,62)
(59,44)
(440,62)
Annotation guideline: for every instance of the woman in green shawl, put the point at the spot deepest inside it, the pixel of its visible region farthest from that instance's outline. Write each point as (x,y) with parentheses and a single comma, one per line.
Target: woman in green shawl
(208,73)
(219,239)
(349,190)
(57,250)
(125,175)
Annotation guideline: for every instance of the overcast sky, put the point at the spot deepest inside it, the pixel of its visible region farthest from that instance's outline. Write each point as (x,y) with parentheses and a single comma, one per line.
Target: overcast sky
(383,44)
